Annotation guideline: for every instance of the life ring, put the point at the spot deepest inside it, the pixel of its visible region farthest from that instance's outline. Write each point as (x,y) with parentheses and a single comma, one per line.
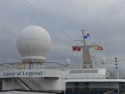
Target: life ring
(20,66)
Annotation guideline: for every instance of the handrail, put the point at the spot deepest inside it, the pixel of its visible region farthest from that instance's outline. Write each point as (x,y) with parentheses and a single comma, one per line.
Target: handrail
(22,65)
(32,62)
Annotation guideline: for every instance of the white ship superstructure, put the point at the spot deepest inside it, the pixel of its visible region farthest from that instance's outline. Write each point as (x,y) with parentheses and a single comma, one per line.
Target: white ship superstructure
(92,80)
(33,75)
(36,76)
(38,79)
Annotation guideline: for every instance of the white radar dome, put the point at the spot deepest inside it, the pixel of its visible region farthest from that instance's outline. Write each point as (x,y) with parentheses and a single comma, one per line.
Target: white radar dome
(33,43)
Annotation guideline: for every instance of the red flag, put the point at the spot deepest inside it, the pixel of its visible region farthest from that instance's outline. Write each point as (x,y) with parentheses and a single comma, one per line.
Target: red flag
(76,48)
(88,34)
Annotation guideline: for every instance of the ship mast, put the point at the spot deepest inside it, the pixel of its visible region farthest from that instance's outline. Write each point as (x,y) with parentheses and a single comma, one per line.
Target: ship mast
(87,61)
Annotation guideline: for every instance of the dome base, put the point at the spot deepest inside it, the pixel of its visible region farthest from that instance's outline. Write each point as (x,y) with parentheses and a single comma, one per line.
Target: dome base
(33,59)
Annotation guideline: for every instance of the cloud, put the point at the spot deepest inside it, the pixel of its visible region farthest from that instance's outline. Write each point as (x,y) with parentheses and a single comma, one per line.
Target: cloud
(103,19)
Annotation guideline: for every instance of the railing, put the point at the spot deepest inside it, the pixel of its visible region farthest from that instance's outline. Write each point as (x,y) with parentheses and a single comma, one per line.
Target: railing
(85,73)
(82,76)
(94,74)
(88,73)
(43,65)
(76,71)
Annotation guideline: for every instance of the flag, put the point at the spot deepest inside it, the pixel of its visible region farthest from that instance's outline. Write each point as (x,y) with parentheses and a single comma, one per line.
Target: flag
(86,36)
(99,48)
(76,48)
(95,47)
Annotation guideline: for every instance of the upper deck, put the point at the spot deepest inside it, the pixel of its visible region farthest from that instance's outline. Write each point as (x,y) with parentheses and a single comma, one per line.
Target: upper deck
(48,69)
(53,69)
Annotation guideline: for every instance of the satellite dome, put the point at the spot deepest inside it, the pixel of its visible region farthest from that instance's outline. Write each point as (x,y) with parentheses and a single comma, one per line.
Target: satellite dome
(33,43)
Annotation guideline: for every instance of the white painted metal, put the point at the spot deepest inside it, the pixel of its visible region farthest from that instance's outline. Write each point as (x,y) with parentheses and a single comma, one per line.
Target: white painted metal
(31,84)
(20,82)
(33,73)
(33,43)
(95,80)
(87,73)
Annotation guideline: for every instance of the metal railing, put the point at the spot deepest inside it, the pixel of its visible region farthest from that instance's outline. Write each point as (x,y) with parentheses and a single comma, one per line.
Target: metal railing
(88,76)
(94,73)
(42,65)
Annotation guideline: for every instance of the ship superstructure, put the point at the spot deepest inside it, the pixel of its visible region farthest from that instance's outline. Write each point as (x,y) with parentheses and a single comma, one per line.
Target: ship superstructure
(92,80)
(36,76)
(33,75)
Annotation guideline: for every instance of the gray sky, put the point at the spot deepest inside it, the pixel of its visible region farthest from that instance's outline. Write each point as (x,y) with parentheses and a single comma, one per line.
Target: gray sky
(63,19)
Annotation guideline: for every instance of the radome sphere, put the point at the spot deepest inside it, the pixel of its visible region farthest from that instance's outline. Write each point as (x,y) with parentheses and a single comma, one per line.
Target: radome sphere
(33,43)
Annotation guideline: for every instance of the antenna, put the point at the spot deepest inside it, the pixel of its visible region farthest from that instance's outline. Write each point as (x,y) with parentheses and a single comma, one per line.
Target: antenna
(83,36)
(87,60)
(116,64)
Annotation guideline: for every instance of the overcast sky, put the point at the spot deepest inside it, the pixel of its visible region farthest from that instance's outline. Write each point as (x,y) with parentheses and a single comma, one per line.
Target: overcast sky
(63,19)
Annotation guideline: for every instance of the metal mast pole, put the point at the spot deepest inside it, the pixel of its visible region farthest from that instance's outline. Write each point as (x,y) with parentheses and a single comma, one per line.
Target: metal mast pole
(83,37)
(117,71)
(87,61)
(116,67)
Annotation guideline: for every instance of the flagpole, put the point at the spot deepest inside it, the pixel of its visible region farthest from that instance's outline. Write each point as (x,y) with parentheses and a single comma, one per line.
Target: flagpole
(87,61)
(83,36)
(84,44)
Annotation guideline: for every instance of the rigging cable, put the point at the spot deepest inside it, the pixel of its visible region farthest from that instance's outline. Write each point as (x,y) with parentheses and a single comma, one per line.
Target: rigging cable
(36,11)
(58,10)
(25,6)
